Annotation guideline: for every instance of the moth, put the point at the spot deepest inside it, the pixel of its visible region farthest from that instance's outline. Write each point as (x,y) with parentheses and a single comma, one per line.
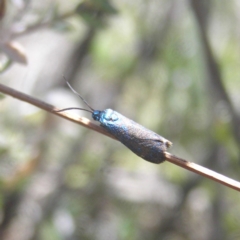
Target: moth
(140,140)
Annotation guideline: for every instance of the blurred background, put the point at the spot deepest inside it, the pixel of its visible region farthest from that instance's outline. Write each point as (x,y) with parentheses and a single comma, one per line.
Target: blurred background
(172,66)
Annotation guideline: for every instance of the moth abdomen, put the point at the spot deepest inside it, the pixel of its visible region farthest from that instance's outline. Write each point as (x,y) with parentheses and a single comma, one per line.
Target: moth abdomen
(140,140)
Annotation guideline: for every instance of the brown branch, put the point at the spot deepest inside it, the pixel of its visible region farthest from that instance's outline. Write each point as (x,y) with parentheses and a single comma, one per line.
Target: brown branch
(87,123)
(212,65)
(41,25)
(193,167)
(49,108)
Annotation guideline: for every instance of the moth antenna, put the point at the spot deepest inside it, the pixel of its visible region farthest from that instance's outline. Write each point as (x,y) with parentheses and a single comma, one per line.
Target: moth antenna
(78,94)
(65,109)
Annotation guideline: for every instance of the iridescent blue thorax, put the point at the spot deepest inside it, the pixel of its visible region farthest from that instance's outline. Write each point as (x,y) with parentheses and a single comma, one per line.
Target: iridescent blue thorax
(105,117)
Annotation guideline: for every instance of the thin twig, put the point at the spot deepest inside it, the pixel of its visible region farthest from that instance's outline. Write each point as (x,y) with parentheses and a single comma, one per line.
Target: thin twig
(88,124)
(203,171)
(49,108)
(41,25)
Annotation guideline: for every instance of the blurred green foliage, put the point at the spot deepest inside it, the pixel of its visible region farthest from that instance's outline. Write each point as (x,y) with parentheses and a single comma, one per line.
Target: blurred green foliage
(149,61)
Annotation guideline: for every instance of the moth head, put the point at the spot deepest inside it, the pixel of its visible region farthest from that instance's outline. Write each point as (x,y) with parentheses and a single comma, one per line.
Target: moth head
(96,115)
